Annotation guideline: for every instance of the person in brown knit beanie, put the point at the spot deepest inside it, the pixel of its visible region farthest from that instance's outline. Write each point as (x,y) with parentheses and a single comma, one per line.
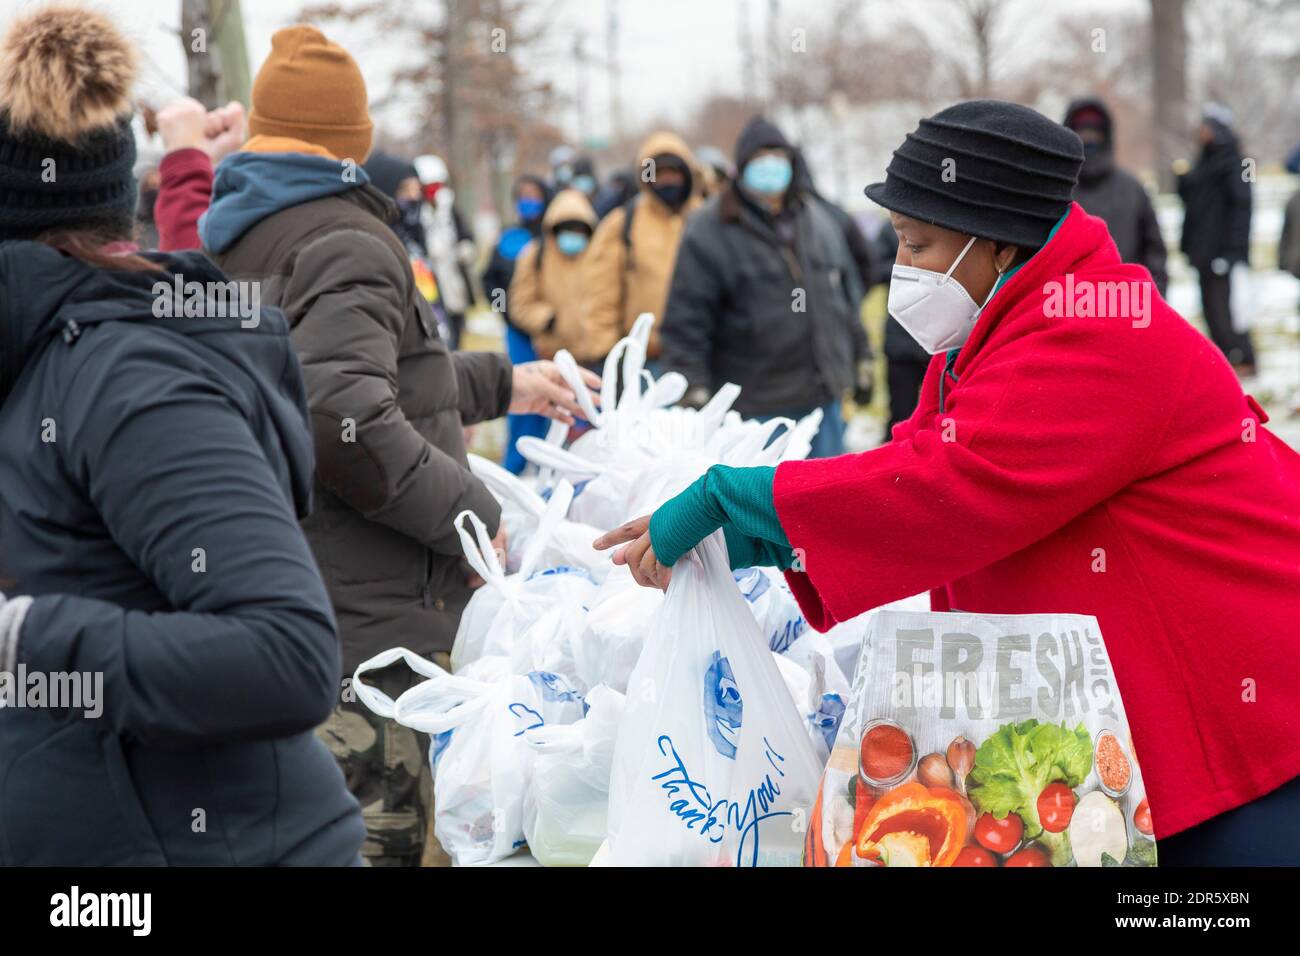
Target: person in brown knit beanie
(311,89)
(295,212)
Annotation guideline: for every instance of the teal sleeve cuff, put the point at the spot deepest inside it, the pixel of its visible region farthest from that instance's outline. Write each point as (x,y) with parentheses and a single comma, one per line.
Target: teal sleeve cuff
(742,551)
(681,523)
(738,500)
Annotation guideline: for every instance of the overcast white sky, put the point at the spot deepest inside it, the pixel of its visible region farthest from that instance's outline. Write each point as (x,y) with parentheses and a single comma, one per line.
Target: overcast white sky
(673,52)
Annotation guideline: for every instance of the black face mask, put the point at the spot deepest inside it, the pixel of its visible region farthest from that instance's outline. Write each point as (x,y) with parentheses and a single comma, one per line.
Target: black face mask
(673,196)
(408,210)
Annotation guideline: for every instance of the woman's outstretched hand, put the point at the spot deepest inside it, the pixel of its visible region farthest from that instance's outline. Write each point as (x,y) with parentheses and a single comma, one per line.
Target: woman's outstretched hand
(639,555)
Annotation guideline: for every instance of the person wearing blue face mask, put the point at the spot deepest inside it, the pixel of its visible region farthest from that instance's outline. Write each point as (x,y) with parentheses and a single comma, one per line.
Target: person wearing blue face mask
(584,177)
(768,175)
(530,196)
(529,209)
(766,294)
(546,300)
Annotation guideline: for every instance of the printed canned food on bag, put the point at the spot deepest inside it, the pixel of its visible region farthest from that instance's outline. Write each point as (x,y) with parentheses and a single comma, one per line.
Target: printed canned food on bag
(982,740)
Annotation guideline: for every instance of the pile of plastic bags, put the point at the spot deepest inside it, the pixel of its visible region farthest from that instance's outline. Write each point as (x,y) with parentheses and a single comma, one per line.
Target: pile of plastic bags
(598,721)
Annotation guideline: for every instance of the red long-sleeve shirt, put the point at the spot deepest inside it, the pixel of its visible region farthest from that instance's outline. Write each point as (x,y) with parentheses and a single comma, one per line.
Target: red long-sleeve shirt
(184,192)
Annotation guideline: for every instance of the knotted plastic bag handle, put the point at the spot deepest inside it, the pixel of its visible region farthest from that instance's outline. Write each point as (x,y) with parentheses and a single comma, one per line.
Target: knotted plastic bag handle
(376,699)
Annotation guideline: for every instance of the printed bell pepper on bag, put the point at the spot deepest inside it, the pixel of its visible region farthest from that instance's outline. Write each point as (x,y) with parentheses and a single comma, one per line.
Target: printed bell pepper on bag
(914,825)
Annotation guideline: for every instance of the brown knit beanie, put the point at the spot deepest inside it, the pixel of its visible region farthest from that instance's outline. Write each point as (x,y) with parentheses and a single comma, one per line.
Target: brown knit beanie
(311,89)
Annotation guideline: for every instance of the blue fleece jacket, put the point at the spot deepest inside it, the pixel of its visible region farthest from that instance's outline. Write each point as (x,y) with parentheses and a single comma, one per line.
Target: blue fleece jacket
(178,440)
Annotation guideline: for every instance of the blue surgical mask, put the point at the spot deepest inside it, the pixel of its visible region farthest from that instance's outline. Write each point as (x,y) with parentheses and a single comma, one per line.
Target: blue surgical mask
(768,175)
(571,243)
(584,183)
(529,208)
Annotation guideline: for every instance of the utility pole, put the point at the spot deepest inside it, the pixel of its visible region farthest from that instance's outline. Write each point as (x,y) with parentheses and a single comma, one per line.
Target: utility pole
(612,64)
(773,50)
(458,123)
(203,68)
(212,36)
(580,94)
(1169,86)
(236,81)
(748,63)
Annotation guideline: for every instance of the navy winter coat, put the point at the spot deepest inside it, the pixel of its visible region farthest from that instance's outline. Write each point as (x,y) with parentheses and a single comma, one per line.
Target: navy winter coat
(151,472)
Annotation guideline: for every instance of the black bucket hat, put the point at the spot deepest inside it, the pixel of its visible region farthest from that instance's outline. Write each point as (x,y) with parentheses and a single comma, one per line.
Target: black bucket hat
(985,168)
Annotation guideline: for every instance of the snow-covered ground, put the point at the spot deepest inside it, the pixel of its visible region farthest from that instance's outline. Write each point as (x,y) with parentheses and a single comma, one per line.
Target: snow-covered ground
(1276,320)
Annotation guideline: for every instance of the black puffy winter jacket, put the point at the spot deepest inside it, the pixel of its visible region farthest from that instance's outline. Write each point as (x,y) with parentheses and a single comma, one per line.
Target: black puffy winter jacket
(1217,197)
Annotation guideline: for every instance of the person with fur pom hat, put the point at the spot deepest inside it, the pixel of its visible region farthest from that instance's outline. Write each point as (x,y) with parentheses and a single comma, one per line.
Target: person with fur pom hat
(154,471)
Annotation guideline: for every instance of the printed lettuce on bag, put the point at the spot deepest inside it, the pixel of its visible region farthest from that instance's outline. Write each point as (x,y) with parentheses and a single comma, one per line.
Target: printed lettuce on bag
(982,740)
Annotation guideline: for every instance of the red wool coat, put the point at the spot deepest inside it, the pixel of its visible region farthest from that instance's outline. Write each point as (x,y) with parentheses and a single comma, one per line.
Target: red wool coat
(1068,435)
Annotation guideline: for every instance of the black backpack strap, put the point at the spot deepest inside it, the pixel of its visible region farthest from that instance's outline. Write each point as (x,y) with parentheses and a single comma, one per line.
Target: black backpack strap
(629,210)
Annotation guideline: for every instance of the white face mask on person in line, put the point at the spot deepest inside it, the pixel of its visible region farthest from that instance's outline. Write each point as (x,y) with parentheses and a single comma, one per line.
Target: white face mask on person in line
(934,307)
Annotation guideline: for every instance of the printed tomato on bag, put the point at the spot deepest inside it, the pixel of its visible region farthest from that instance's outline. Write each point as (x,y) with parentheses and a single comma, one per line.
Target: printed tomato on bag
(982,740)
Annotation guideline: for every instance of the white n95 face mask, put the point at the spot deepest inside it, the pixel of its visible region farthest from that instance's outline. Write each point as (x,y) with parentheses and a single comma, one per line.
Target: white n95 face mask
(934,307)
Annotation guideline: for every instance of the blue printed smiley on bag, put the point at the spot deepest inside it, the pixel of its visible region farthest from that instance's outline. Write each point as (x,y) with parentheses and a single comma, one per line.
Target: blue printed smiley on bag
(752,582)
(723,707)
(828,717)
(553,687)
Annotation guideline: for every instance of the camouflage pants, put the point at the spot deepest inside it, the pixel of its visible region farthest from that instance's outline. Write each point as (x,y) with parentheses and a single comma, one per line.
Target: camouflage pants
(386,767)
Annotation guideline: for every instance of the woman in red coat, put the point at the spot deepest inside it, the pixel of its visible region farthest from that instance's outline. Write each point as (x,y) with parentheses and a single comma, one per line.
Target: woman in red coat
(1078,447)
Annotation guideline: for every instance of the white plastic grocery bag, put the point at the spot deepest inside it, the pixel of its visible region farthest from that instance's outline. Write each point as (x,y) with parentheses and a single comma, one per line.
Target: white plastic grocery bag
(712,764)
(551,644)
(601,489)
(773,605)
(846,638)
(566,809)
(820,707)
(503,608)
(1242,297)
(982,740)
(813,650)
(482,764)
(521,505)
(617,625)
(522,511)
